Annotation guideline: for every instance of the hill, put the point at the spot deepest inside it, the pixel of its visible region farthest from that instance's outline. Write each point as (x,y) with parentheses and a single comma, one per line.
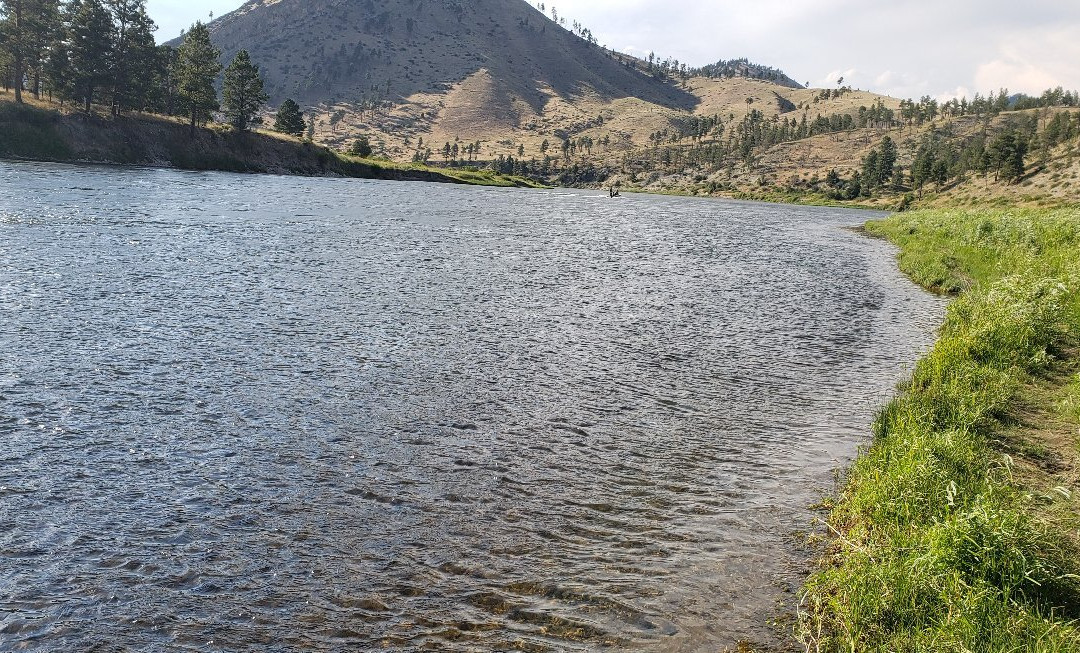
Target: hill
(358,51)
(416,75)
(470,83)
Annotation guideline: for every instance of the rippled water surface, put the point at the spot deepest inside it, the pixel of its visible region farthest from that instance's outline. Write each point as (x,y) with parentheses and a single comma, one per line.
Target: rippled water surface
(264,413)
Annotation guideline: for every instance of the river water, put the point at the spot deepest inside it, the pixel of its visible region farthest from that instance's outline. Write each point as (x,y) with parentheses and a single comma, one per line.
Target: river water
(274,414)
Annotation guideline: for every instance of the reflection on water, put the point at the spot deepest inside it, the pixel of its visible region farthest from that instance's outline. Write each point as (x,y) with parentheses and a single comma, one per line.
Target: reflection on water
(280,413)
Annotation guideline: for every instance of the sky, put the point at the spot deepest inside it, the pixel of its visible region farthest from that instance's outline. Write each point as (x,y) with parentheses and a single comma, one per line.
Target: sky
(903,48)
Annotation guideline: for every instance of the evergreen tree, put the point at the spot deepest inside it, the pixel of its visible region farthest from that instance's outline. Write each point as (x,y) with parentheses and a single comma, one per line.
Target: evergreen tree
(197,68)
(897,180)
(290,120)
(14,39)
(165,86)
(26,29)
(132,52)
(361,147)
(143,73)
(58,72)
(1006,154)
(46,29)
(90,42)
(242,91)
(923,167)
(871,169)
(887,161)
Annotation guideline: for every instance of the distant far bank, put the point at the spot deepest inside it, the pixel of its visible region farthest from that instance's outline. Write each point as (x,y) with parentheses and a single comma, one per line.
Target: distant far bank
(43,131)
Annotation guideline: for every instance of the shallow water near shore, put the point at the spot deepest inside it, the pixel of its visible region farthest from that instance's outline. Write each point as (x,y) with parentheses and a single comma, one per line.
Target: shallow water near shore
(270,413)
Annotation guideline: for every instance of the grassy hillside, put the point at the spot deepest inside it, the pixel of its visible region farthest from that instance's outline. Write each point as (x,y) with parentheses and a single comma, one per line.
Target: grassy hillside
(41,131)
(958,529)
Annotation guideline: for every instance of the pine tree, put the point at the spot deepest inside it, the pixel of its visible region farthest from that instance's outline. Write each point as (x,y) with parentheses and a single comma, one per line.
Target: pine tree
(14,38)
(198,67)
(59,75)
(46,29)
(1007,155)
(361,147)
(133,43)
(26,29)
(290,120)
(871,169)
(242,91)
(165,86)
(5,62)
(90,42)
(922,167)
(887,161)
(145,67)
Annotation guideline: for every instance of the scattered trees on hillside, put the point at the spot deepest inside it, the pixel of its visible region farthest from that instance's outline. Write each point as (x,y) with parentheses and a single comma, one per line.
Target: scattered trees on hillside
(738,68)
(941,158)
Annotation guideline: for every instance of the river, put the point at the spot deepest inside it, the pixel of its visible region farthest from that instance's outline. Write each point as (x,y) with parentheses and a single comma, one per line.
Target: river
(274,413)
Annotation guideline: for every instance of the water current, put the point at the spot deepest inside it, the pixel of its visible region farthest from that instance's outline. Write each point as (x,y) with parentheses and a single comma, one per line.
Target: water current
(273,414)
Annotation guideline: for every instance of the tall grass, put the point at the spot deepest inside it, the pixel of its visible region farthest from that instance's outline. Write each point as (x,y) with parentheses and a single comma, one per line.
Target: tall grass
(937,545)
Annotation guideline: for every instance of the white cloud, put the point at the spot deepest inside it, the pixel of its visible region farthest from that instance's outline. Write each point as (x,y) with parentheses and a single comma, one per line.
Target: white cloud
(886,78)
(834,76)
(1014,75)
(956,94)
(1032,63)
(967,45)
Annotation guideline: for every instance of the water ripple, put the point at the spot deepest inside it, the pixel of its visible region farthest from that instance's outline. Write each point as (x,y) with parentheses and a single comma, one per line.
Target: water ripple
(264,413)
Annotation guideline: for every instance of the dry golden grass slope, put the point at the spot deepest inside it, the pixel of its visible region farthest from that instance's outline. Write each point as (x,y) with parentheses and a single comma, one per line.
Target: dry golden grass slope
(476,109)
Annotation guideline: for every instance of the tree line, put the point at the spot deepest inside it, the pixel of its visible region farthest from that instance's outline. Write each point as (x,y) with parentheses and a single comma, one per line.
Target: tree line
(102,52)
(84,51)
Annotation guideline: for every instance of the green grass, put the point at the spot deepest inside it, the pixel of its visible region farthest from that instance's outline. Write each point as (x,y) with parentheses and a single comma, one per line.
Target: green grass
(941,542)
(1069,402)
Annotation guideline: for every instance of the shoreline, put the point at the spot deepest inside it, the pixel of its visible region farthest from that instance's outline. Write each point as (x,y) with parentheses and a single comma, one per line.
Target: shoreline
(47,134)
(956,528)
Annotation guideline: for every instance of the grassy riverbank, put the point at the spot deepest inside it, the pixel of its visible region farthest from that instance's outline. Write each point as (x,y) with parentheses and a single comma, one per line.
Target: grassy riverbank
(958,528)
(43,132)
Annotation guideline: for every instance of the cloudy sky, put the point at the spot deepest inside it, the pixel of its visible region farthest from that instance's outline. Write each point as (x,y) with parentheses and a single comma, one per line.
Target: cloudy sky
(905,48)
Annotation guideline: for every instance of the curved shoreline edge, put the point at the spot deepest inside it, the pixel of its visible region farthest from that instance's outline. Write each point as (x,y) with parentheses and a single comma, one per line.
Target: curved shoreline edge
(957,528)
(46,134)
